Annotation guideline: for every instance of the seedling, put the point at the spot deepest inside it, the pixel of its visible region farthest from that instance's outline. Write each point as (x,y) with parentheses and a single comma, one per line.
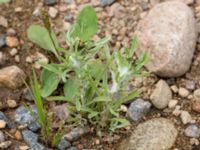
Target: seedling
(95,81)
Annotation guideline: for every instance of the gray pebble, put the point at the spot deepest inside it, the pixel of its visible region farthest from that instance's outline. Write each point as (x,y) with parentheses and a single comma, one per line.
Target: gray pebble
(69,1)
(68,18)
(38,146)
(2,40)
(72,148)
(63,144)
(29,137)
(24,116)
(192,131)
(138,109)
(3,117)
(50,2)
(105,3)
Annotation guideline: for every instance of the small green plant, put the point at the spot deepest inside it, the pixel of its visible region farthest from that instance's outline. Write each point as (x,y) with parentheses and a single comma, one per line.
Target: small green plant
(43,118)
(95,81)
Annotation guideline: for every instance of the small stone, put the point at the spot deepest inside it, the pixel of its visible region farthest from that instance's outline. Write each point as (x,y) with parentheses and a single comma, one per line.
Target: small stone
(161,95)
(196,106)
(192,131)
(75,133)
(123,108)
(23,147)
(63,144)
(69,1)
(172,103)
(50,2)
(39,57)
(185,117)
(28,94)
(29,137)
(5,145)
(2,137)
(117,11)
(13,52)
(154,134)
(105,3)
(12,77)
(11,103)
(12,41)
(190,85)
(2,40)
(29,59)
(174,88)
(2,124)
(11,32)
(3,22)
(183,92)
(197,94)
(18,9)
(3,117)
(68,18)
(24,116)
(17,58)
(53,12)
(18,135)
(73,148)
(177,111)
(38,146)
(138,109)
(61,112)
(66,26)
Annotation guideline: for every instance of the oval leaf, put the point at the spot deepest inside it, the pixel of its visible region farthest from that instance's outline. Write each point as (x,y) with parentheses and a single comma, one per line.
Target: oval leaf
(70,88)
(49,81)
(40,36)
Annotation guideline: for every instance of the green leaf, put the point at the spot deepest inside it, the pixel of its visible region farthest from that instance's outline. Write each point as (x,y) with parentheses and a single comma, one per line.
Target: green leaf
(40,36)
(86,24)
(117,123)
(133,46)
(71,88)
(4,1)
(49,81)
(132,95)
(38,100)
(100,99)
(97,69)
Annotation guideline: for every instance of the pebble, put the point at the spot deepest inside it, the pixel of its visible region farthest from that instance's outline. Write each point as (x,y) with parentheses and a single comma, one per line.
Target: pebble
(197,93)
(3,22)
(39,57)
(69,1)
(161,95)
(73,148)
(154,134)
(23,147)
(196,106)
(2,40)
(12,41)
(138,109)
(2,124)
(185,117)
(3,117)
(192,131)
(50,2)
(105,3)
(183,92)
(53,12)
(24,116)
(61,112)
(29,59)
(123,108)
(117,10)
(75,133)
(5,145)
(18,135)
(38,146)
(11,32)
(2,137)
(12,77)
(68,18)
(190,85)
(63,144)
(13,51)
(172,103)
(17,58)
(29,137)
(158,29)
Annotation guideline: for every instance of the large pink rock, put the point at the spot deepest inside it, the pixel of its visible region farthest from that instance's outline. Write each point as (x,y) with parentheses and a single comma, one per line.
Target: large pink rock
(169,34)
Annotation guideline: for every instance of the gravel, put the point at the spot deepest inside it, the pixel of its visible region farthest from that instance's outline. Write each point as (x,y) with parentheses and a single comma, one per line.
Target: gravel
(50,2)
(29,137)
(106,2)
(63,144)
(192,131)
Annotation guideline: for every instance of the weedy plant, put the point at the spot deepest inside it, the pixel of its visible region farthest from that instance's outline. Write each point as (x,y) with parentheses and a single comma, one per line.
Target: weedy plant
(95,81)
(4,1)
